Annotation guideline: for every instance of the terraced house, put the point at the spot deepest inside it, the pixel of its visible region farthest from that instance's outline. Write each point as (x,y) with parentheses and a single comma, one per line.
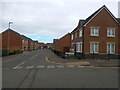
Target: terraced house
(98,35)
(14,41)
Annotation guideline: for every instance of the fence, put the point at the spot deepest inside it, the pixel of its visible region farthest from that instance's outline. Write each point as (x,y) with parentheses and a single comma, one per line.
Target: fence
(59,53)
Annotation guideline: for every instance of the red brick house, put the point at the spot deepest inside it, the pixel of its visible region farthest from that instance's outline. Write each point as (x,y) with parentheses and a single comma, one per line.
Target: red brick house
(30,44)
(98,35)
(54,44)
(35,45)
(13,41)
(49,45)
(63,44)
(41,45)
(24,42)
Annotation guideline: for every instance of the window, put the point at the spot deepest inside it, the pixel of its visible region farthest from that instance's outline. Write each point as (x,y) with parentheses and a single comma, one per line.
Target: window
(94,47)
(72,37)
(94,31)
(111,32)
(22,47)
(80,33)
(22,41)
(111,48)
(26,42)
(79,47)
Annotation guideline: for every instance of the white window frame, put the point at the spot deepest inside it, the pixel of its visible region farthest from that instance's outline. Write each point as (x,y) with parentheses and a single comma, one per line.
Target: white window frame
(111,31)
(93,49)
(79,47)
(94,31)
(23,41)
(80,33)
(72,37)
(110,51)
(22,47)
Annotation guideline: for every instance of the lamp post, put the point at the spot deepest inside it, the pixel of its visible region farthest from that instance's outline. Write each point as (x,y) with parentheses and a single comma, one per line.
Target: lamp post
(9,36)
(9,24)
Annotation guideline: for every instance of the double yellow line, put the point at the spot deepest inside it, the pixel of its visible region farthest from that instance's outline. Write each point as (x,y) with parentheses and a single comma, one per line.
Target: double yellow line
(11,59)
(14,58)
(51,61)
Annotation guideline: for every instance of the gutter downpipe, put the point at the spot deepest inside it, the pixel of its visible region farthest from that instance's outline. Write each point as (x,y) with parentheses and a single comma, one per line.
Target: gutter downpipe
(83,43)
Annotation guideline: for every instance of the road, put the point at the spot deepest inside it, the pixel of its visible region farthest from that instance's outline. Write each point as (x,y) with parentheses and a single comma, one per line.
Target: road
(33,70)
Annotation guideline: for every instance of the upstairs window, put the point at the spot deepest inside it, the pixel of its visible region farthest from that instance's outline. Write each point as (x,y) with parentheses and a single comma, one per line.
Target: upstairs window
(80,33)
(23,41)
(110,32)
(72,37)
(94,31)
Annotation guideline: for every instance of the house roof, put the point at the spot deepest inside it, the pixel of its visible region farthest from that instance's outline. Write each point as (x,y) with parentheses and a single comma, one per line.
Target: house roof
(35,41)
(118,19)
(81,22)
(90,17)
(19,35)
(49,43)
(30,39)
(85,22)
(96,12)
(26,38)
(55,40)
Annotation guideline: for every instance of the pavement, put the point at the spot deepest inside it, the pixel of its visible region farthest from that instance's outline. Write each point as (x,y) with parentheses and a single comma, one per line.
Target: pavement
(14,56)
(84,62)
(43,69)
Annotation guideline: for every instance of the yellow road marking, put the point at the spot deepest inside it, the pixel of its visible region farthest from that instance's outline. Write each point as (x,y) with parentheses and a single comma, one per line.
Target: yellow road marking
(14,58)
(11,59)
(49,60)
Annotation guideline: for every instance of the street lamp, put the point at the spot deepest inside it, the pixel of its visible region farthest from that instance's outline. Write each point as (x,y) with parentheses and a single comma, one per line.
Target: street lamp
(9,24)
(9,37)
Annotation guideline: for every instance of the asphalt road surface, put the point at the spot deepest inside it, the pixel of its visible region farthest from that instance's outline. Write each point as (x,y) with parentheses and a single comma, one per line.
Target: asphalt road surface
(33,70)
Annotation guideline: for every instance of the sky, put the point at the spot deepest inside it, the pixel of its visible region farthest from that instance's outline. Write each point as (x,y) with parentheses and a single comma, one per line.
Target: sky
(45,20)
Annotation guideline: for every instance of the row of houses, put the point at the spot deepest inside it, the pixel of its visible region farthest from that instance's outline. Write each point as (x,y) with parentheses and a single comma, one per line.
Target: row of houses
(99,34)
(45,46)
(13,41)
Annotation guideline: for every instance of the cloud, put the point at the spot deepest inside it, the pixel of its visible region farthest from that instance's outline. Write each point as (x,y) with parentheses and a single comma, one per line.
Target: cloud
(51,18)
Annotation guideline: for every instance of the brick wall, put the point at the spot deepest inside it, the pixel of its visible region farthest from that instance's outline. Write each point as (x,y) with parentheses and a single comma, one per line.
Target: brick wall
(14,42)
(103,20)
(63,44)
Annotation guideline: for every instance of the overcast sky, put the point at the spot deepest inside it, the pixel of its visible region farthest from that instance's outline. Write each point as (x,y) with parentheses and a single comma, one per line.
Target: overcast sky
(45,20)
